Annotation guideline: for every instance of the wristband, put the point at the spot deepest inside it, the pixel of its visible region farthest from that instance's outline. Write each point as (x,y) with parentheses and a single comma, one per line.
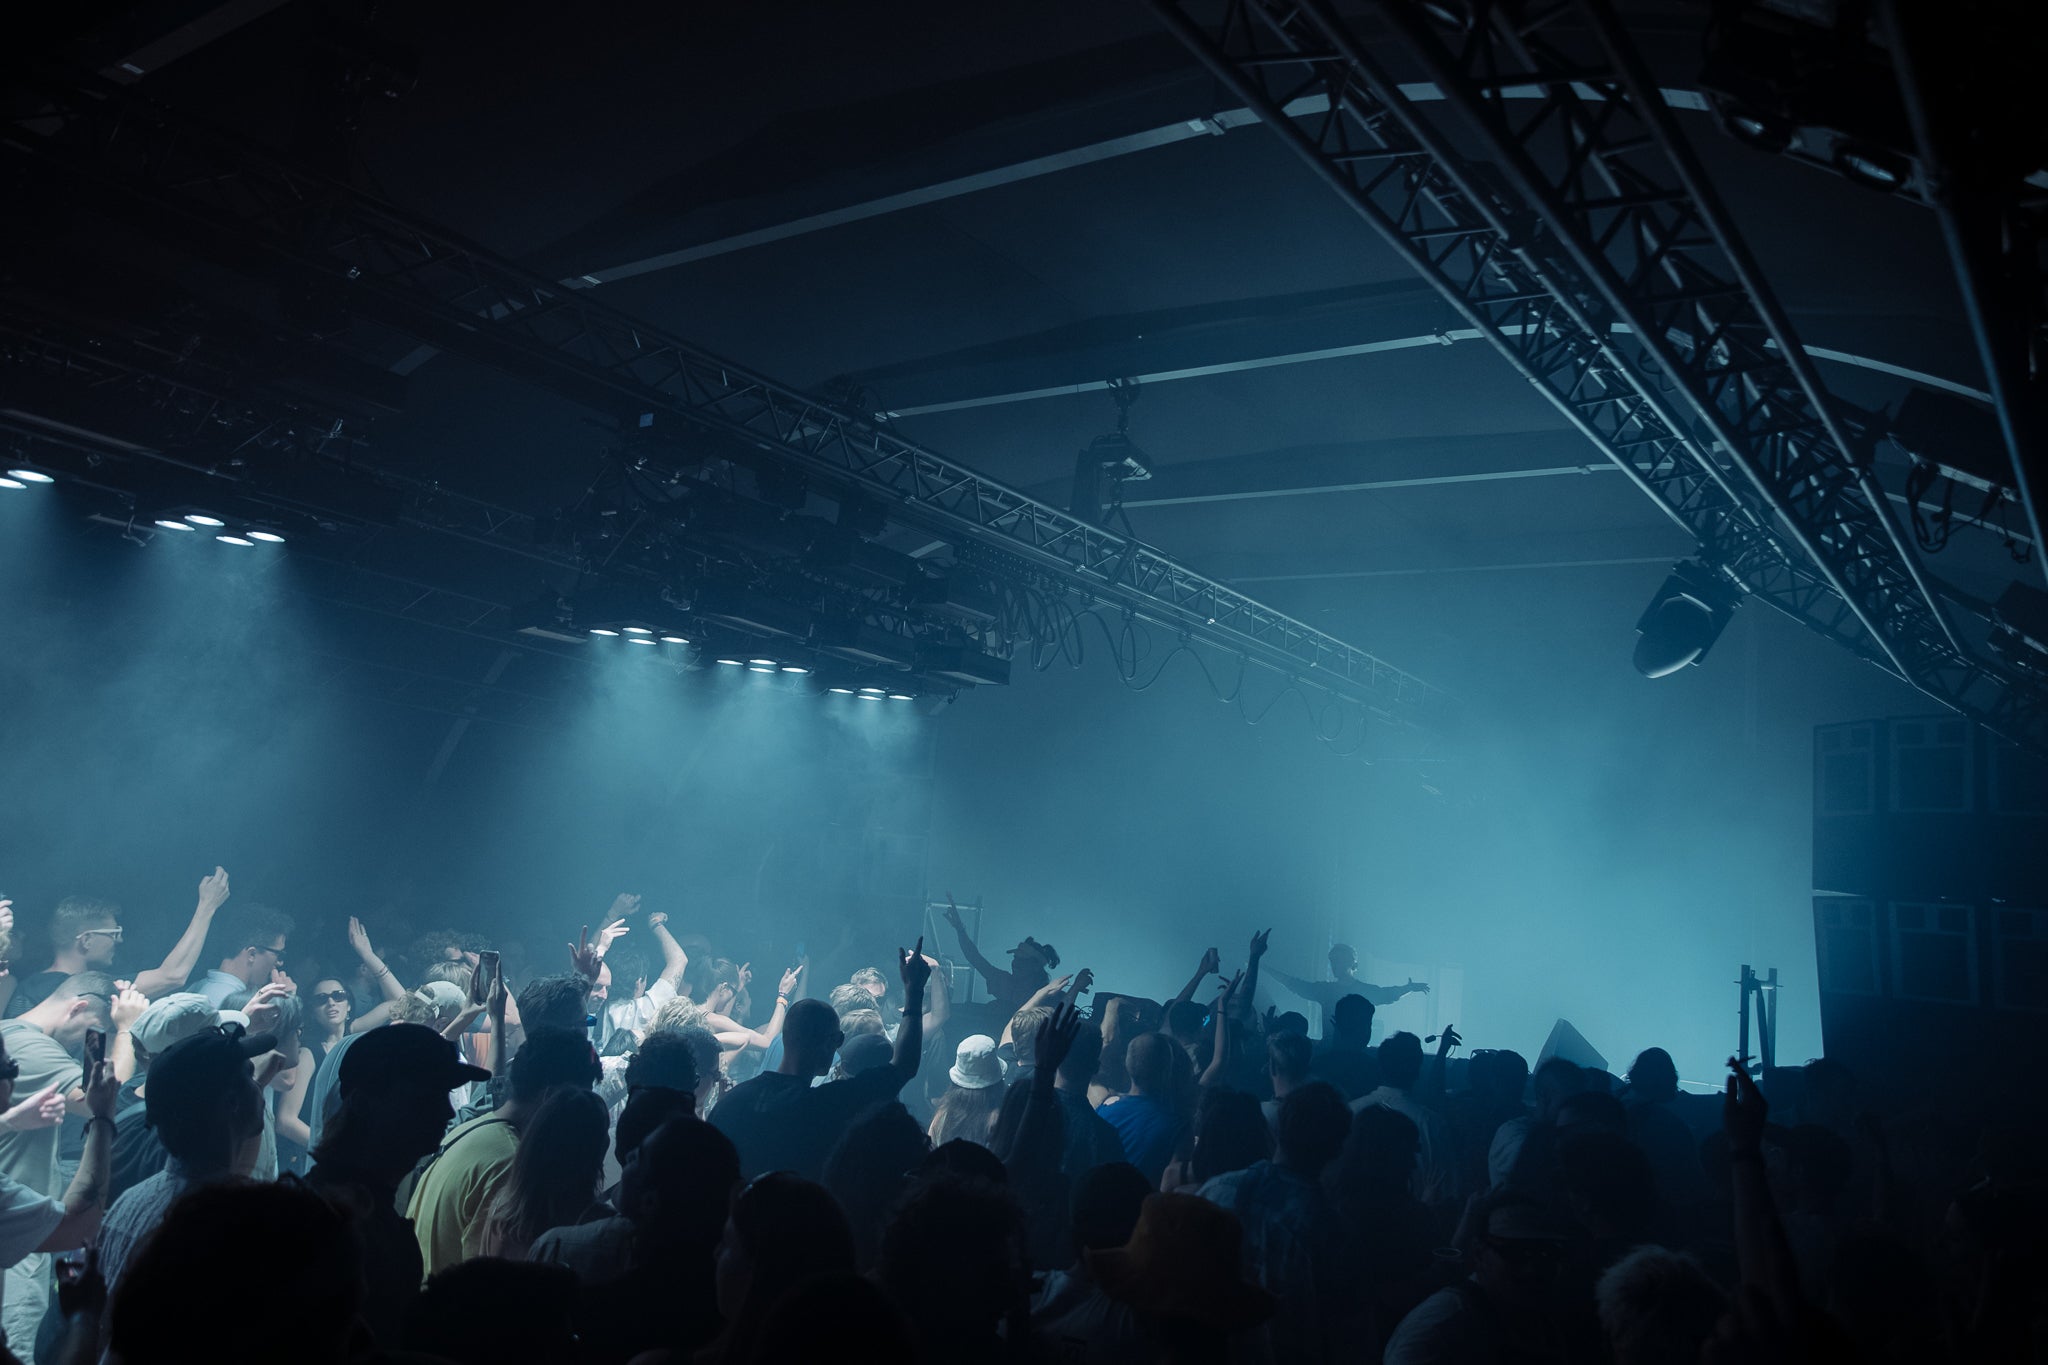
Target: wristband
(99,1118)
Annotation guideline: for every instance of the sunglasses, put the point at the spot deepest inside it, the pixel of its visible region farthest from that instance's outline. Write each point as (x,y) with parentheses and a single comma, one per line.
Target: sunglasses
(329,997)
(114,934)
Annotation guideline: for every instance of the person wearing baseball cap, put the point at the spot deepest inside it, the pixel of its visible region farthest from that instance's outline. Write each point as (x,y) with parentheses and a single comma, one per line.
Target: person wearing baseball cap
(1508,1297)
(394,1083)
(204,1105)
(138,1151)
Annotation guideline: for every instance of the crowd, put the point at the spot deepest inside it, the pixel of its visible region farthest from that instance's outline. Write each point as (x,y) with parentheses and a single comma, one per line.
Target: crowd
(642,1158)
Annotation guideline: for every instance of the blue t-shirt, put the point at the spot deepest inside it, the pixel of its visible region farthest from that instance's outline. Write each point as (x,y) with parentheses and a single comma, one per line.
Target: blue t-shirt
(1148,1130)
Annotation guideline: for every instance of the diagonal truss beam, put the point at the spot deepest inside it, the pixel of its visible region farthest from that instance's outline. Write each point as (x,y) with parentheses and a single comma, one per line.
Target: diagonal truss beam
(449,292)
(1591,252)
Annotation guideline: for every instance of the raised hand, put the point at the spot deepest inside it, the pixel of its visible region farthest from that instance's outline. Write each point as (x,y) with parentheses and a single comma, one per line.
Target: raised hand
(953,915)
(278,978)
(1055,1038)
(1419,987)
(1743,1110)
(101,1090)
(213,891)
(1212,962)
(746,976)
(657,919)
(1084,982)
(1223,996)
(44,1109)
(607,936)
(6,915)
(262,1008)
(584,957)
(1259,943)
(1448,1039)
(916,971)
(623,905)
(359,938)
(127,1005)
(787,987)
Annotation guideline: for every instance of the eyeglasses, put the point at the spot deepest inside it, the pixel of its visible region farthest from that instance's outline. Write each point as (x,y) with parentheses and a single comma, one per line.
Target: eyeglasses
(114,934)
(329,997)
(277,953)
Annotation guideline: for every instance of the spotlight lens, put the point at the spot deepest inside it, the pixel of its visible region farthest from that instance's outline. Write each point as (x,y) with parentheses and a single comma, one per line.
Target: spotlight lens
(842,691)
(869,696)
(30,476)
(735,663)
(12,483)
(201,519)
(267,537)
(794,668)
(769,662)
(673,640)
(236,540)
(757,668)
(639,640)
(901,696)
(600,630)
(638,630)
(872,692)
(170,525)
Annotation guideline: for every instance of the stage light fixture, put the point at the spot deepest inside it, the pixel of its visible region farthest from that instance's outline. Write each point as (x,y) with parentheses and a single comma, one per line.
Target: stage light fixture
(30,476)
(640,640)
(794,668)
(901,696)
(1684,619)
(759,662)
(268,537)
(734,663)
(204,519)
(1872,167)
(760,668)
(603,630)
(840,691)
(12,483)
(226,538)
(872,692)
(674,640)
(1761,131)
(868,696)
(638,630)
(173,524)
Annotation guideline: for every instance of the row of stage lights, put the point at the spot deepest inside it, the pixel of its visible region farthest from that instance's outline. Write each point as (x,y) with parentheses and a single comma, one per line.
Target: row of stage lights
(247,537)
(643,635)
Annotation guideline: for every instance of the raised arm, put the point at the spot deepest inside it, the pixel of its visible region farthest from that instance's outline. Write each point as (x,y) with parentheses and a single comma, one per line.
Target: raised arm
(1430,1088)
(1211,963)
(940,999)
(125,1008)
(674,961)
(734,1034)
(917,970)
(387,980)
(1301,986)
(1219,1056)
(989,971)
(177,966)
(85,1199)
(1034,1154)
(1245,997)
(1762,1254)
(291,1104)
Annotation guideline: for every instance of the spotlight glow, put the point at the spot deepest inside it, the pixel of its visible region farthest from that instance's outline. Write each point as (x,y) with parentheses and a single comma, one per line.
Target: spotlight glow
(30,476)
(267,537)
(12,483)
(758,662)
(638,630)
(639,640)
(872,692)
(901,696)
(202,519)
(170,524)
(867,696)
(734,663)
(757,668)
(243,541)
(842,691)
(673,640)
(794,668)
(600,630)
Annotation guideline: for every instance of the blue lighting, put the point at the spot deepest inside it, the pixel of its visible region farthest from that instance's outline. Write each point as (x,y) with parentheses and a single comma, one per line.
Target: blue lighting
(600,630)
(30,476)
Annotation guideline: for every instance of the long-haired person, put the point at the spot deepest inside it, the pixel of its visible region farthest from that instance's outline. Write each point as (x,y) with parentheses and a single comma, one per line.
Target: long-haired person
(324,1022)
(554,1178)
(974,1097)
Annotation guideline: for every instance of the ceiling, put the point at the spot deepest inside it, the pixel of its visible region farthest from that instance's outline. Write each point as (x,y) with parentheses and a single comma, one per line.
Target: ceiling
(968,213)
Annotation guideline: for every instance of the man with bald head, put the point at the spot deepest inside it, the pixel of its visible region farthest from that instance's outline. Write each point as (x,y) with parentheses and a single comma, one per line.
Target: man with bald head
(780,1121)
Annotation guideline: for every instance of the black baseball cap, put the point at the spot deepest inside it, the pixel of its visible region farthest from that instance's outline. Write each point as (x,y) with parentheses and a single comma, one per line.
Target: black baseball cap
(394,1053)
(201,1071)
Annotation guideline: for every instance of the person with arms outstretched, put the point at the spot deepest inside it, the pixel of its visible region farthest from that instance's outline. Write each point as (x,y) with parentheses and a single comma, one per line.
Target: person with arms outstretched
(1344,981)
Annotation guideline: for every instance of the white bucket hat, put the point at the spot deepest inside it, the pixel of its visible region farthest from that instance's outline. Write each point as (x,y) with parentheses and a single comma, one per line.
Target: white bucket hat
(975,1064)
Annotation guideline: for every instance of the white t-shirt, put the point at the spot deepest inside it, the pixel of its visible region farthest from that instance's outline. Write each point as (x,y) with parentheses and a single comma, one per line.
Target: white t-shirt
(636,1013)
(26,1220)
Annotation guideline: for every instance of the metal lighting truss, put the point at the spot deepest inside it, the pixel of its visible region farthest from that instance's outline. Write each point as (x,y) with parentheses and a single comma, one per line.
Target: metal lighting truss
(1592,252)
(1994,221)
(448,292)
